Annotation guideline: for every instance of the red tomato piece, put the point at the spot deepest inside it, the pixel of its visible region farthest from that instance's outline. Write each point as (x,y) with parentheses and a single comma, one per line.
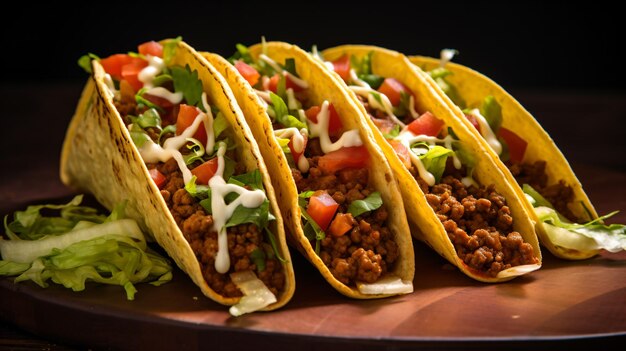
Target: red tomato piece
(342,67)
(205,171)
(393,89)
(247,72)
(130,73)
(114,63)
(151,48)
(517,146)
(288,84)
(334,121)
(158,177)
(186,115)
(473,120)
(322,208)
(402,152)
(341,224)
(346,157)
(426,124)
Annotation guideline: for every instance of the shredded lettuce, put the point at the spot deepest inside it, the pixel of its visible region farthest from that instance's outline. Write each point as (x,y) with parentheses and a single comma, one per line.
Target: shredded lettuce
(370,203)
(149,119)
(491,110)
(567,234)
(77,246)
(439,75)
(435,160)
(312,231)
(169,49)
(85,62)
(282,113)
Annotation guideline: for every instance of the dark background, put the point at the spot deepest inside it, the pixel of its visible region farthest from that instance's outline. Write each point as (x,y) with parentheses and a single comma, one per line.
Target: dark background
(519,44)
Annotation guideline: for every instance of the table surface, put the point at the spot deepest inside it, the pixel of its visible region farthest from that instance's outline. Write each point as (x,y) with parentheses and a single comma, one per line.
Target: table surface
(562,304)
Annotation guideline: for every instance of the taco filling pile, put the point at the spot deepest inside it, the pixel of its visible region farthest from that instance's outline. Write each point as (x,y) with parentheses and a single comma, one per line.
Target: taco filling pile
(557,197)
(343,216)
(196,160)
(476,217)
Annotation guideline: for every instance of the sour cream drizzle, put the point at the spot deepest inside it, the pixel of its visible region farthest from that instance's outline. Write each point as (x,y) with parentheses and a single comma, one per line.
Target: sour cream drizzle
(222,211)
(297,81)
(109,83)
(154,68)
(407,138)
(297,137)
(348,138)
(386,106)
(487,132)
(174,98)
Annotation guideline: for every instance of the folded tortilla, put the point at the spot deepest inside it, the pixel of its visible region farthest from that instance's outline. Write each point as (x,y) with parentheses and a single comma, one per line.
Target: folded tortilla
(425,224)
(100,157)
(473,87)
(321,86)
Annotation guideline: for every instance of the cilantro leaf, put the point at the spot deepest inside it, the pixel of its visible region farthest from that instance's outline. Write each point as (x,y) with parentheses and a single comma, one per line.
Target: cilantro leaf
(188,83)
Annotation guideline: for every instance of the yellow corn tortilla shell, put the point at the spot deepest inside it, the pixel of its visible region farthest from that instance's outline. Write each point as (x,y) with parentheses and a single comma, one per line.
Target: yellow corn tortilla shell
(425,224)
(100,157)
(473,87)
(321,87)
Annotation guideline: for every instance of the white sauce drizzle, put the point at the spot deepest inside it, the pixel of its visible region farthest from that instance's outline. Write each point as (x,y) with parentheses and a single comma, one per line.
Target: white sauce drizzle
(386,106)
(295,80)
(297,137)
(147,75)
(486,131)
(446,56)
(174,98)
(354,79)
(348,138)
(264,95)
(412,111)
(292,103)
(222,211)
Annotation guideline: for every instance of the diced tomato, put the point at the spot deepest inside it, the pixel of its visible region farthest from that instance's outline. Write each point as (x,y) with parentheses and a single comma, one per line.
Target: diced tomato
(426,124)
(288,84)
(247,72)
(294,154)
(205,171)
(384,125)
(186,115)
(341,224)
(516,145)
(470,117)
(158,177)
(151,48)
(342,67)
(402,152)
(346,157)
(114,63)
(130,73)
(322,208)
(393,89)
(334,122)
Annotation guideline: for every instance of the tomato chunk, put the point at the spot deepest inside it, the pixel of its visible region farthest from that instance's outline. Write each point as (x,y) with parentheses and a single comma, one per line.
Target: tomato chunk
(346,157)
(342,67)
(517,146)
(426,124)
(114,63)
(322,208)
(130,73)
(334,121)
(247,72)
(393,89)
(273,86)
(151,48)
(158,177)
(205,171)
(402,152)
(186,115)
(341,224)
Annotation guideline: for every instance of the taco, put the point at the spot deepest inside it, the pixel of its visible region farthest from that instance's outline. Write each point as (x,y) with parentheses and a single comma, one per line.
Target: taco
(566,222)
(161,129)
(456,197)
(340,202)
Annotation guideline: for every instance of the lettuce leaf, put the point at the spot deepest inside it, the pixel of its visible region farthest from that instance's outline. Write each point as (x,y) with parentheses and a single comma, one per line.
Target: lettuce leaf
(188,83)
(435,160)
(370,203)
(282,113)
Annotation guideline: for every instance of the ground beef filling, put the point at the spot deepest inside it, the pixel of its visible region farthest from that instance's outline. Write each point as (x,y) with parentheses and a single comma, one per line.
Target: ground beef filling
(196,227)
(478,223)
(367,251)
(559,194)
